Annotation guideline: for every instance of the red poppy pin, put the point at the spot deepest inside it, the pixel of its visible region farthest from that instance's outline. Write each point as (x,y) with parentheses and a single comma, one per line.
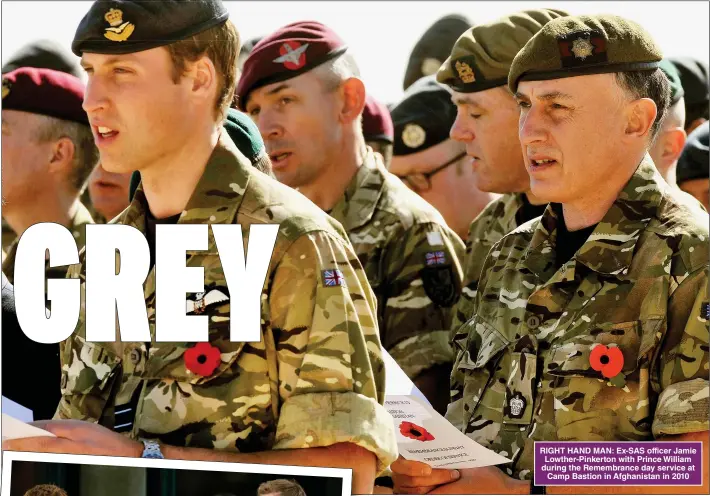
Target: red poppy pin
(202,359)
(609,361)
(413,431)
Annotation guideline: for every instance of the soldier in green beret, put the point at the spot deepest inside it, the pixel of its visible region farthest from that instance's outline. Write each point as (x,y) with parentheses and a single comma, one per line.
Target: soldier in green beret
(487,124)
(589,323)
(311,390)
(671,137)
(302,88)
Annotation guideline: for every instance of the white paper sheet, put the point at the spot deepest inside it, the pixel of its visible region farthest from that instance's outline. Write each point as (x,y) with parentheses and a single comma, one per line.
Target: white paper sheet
(424,435)
(396,381)
(16,429)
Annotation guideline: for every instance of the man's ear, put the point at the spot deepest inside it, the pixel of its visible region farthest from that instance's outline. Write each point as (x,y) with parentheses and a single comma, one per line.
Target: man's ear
(353,91)
(641,114)
(61,156)
(203,76)
(675,142)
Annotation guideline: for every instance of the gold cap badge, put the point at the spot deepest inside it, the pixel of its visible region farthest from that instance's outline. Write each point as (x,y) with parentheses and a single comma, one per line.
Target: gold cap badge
(119,30)
(465,72)
(413,135)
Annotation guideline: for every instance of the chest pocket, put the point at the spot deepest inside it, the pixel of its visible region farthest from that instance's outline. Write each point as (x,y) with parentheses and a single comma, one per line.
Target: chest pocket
(585,398)
(200,363)
(499,383)
(89,373)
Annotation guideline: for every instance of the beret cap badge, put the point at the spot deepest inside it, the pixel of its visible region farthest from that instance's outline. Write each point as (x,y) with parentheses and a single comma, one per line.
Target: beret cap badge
(292,55)
(6,87)
(118,30)
(430,66)
(465,72)
(413,135)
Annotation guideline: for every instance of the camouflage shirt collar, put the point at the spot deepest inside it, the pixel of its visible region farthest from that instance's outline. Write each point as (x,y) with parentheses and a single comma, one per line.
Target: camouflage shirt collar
(81,218)
(359,202)
(609,249)
(218,194)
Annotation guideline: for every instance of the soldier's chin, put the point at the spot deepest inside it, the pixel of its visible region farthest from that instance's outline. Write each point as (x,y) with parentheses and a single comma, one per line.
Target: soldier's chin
(547,190)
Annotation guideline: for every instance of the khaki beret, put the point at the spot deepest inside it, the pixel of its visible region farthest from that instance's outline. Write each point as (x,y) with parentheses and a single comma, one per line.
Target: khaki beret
(481,57)
(582,45)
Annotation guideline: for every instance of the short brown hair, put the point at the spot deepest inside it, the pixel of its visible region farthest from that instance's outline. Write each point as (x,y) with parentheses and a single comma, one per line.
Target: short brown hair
(645,84)
(283,487)
(221,44)
(86,154)
(46,490)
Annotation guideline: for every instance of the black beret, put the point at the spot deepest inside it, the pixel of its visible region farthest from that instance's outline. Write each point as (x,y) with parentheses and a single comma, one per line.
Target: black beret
(45,92)
(44,54)
(127,26)
(694,78)
(424,116)
(694,161)
(434,47)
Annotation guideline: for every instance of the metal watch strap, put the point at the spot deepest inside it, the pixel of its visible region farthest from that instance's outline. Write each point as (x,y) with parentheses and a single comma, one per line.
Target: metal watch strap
(151,450)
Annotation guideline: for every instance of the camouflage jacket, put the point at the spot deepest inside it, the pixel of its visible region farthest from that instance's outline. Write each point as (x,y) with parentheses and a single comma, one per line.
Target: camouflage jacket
(316,377)
(412,260)
(81,218)
(494,222)
(527,371)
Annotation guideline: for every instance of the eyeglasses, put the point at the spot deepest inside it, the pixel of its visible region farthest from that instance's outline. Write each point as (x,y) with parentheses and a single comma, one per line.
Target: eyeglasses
(421,181)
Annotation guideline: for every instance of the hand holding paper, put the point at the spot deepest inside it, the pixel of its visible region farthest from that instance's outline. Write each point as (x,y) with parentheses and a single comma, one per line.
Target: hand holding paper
(16,429)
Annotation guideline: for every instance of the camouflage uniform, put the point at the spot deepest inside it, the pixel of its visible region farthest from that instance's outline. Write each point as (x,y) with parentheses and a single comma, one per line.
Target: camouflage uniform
(494,222)
(316,377)
(81,218)
(639,283)
(411,259)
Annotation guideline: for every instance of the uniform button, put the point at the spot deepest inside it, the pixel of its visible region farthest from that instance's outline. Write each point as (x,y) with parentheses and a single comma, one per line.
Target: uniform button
(135,356)
(533,321)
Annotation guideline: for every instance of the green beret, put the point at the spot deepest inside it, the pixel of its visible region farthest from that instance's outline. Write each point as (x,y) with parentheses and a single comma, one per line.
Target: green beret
(583,45)
(674,78)
(481,57)
(128,26)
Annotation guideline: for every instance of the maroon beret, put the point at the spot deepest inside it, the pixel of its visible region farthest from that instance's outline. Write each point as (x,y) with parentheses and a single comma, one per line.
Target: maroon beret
(44,91)
(377,121)
(288,52)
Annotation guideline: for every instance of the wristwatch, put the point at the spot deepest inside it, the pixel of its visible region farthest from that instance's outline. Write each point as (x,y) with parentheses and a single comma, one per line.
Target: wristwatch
(151,450)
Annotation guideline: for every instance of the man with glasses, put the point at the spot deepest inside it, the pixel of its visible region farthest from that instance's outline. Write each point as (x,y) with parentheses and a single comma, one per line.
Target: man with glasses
(428,161)
(304,92)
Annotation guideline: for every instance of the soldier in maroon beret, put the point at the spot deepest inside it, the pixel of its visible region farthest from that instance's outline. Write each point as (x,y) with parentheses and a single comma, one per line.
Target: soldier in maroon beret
(48,153)
(303,90)
(377,128)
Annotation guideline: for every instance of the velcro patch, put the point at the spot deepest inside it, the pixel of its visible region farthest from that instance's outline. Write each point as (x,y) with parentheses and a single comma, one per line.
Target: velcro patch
(434,238)
(440,285)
